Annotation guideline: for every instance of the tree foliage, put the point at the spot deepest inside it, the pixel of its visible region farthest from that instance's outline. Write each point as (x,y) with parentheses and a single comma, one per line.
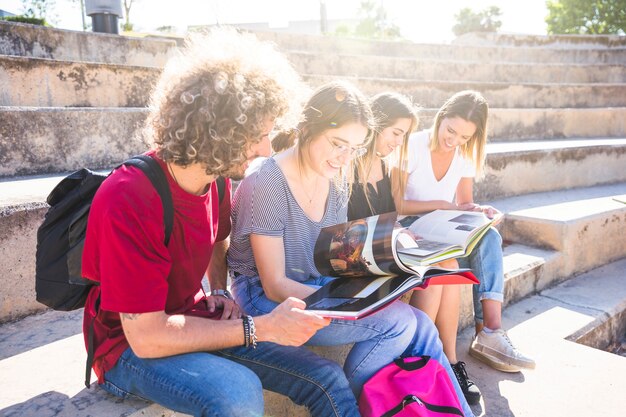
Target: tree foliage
(593,17)
(38,9)
(127,26)
(487,20)
(374,23)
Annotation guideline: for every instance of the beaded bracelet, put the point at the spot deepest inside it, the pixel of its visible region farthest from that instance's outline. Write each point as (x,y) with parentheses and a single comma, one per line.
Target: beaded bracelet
(246,331)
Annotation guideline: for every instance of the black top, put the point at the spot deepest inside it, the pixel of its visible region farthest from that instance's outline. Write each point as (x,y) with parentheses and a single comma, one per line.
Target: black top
(381,201)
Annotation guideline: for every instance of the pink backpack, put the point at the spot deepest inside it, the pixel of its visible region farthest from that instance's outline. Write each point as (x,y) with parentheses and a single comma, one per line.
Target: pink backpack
(410,387)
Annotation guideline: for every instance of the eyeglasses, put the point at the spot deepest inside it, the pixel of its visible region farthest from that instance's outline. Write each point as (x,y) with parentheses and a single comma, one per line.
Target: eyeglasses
(341,149)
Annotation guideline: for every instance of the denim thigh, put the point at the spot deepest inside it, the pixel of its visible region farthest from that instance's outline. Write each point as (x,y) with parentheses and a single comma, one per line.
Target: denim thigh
(200,384)
(306,378)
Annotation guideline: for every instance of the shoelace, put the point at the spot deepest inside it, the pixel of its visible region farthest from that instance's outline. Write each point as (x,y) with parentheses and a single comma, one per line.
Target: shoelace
(461,373)
(506,337)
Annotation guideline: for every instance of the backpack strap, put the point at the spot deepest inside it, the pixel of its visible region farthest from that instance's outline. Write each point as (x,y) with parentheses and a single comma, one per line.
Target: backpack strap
(410,399)
(90,350)
(221,185)
(155,174)
(157,177)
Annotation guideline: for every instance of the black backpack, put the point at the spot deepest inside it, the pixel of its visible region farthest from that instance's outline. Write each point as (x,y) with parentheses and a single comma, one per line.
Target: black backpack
(61,237)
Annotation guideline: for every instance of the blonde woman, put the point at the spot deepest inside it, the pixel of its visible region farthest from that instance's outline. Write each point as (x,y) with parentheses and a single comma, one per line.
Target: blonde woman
(443,163)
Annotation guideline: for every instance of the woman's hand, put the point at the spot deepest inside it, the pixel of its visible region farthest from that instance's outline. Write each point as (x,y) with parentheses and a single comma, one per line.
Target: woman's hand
(492,212)
(489,211)
(468,207)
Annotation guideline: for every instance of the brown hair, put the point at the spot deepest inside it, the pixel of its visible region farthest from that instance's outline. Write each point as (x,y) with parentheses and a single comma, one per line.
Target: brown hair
(212,101)
(387,108)
(331,106)
(470,106)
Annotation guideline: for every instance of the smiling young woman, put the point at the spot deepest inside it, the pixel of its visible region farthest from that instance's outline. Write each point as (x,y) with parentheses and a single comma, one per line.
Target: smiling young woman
(444,161)
(396,119)
(278,213)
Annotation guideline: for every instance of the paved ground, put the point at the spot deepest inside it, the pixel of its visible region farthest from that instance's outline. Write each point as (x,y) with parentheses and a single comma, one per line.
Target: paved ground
(42,360)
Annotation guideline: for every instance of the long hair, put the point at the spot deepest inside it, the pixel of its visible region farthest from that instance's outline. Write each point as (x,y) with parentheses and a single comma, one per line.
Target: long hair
(471,106)
(387,109)
(330,107)
(212,101)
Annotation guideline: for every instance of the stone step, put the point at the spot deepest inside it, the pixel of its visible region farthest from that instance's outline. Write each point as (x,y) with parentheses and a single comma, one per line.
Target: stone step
(415,68)
(508,95)
(43,42)
(518,168)
(42,82)
(557,328)
(587,226)
(331,45)
(57,139)
(524,267)
(47,140)
(538,41)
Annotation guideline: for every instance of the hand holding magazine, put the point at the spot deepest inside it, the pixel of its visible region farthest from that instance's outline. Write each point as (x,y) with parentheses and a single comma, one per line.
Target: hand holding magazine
(362,254)
(444,234)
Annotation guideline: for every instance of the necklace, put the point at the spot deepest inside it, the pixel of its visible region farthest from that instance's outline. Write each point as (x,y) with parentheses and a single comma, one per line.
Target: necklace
(169,168)
(311,196)
(200,191)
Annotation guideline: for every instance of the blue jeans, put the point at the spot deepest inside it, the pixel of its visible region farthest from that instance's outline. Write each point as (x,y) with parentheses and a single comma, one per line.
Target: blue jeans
(397,330)
(486,262)
(230,382)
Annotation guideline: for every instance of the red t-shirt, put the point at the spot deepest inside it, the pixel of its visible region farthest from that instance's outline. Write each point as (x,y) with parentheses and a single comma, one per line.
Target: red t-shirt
(125,251)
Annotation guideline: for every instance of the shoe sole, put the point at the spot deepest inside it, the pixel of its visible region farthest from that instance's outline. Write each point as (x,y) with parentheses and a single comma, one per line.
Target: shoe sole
(507,363)
(471,398)
(493,362)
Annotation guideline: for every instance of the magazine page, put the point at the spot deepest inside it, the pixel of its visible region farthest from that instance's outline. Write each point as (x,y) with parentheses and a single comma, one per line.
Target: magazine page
(449,226)
(356,298)
(359,248)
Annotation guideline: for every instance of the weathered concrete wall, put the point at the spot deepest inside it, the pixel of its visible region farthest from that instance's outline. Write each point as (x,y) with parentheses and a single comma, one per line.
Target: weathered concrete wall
(332,45)
(38,42)
(44,83)
(587,233)
(410,67)
(538,41)
(18,231)
(46,140)
(546,168)
(507,95)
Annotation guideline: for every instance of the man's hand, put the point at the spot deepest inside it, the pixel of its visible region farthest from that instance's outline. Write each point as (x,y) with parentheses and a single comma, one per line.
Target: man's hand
(289,324)
(230,308)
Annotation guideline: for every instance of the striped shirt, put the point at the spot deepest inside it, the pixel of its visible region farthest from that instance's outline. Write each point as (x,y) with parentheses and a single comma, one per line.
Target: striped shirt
(264,205)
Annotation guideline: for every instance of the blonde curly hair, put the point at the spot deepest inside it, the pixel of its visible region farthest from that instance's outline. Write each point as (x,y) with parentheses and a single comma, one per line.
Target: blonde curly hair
(214,99)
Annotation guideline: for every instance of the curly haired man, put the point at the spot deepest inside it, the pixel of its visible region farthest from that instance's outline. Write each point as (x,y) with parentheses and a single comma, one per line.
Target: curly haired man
(158,336)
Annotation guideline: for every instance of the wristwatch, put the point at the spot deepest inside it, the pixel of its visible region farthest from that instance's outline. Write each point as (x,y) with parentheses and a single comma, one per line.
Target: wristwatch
(222,293)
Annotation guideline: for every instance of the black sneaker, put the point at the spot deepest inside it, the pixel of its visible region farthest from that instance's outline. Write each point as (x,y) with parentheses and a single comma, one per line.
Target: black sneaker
(470,390)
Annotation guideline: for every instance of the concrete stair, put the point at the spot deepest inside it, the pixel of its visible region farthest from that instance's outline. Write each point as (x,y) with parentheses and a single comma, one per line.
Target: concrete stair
(486,51)
(374,66)
(27,40)
(40,140)
(558,133)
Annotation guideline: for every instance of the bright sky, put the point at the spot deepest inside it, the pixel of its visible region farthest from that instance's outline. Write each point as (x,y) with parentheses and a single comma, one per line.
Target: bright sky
(419,20)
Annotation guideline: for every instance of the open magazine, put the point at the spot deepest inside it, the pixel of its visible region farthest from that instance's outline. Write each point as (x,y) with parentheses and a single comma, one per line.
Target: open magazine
(371,274)
(444,234)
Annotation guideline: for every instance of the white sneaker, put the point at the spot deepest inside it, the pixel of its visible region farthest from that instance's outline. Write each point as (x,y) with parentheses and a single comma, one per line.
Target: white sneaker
(497,351)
